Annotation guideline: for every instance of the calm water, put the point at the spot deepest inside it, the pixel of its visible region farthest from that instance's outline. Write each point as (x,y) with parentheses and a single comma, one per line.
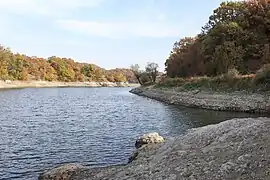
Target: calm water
(42,128)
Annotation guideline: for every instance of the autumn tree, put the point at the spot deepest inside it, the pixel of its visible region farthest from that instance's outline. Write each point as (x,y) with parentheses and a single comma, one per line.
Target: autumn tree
(119,77)
(237,35)
(127,73)
(63,69)
(185,58)
(17,69)
(4,58)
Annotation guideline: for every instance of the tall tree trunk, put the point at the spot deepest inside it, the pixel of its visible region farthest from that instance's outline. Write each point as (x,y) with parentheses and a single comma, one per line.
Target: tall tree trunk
(138,78)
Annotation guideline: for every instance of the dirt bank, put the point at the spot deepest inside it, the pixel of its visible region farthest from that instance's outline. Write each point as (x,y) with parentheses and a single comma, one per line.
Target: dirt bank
(241,101)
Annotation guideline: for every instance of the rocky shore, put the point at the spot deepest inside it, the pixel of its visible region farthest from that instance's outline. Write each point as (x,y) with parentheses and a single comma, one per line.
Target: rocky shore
(241,101)
(234,149)
(28,84)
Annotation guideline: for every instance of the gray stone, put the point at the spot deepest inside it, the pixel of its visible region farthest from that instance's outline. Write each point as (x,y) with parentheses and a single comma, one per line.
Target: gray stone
(150,138)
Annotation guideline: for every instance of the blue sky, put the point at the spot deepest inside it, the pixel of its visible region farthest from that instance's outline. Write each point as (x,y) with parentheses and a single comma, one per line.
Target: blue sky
(109,33)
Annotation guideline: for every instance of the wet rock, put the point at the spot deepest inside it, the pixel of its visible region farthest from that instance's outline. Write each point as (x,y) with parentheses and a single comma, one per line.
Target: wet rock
(136,90)
(133,156)
(149,138)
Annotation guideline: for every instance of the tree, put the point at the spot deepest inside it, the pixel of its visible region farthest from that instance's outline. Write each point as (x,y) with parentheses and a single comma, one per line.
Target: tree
(21,67)
(137,72)
(128,74)
(152,71)
(64,70)
(237,35)
(17,69)
(4,58)
(185,58)
(145,78)
(119,77)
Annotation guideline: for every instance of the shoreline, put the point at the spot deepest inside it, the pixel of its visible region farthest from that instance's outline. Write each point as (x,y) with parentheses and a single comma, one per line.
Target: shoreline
(233,149)
(221,101)
(47,84)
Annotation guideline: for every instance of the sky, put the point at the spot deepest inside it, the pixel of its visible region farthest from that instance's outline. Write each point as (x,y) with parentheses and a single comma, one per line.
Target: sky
(108,33)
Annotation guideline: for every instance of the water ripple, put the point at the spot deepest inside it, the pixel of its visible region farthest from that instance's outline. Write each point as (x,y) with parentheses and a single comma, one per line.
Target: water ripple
(43,128)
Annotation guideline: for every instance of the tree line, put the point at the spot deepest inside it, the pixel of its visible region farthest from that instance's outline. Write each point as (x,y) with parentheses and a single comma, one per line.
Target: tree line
(237,36)
(15,66)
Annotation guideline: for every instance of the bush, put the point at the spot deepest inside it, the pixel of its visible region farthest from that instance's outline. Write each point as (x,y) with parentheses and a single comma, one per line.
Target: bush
(145,79)
(262,77)
(170,82)
(232,73)
(230,81)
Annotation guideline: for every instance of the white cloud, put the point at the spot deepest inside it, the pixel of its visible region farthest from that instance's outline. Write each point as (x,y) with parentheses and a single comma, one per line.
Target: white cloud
(121,29)
(45,7)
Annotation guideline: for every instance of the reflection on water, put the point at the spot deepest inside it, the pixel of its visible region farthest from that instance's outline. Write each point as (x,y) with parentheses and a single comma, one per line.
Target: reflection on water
(41,128)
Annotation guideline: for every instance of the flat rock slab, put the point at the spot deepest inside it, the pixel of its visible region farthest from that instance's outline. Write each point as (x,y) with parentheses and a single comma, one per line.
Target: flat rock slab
(234,149)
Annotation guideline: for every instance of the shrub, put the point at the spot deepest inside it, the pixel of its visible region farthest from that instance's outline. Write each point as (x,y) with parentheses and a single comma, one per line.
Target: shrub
(145,79)
(232,73)
(172,82)
(262,77)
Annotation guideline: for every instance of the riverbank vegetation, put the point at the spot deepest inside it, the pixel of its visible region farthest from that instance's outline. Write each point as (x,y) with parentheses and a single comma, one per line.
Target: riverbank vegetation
(230,81)
(232,51)
(15,66)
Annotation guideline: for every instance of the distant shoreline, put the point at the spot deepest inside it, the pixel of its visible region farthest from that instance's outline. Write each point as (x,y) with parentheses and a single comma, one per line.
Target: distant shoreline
(44,84)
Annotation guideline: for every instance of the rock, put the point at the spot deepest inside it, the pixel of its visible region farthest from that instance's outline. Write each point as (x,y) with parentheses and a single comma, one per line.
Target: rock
(133,156)
(63,172)
(148,139)
(209,152)
(137,90)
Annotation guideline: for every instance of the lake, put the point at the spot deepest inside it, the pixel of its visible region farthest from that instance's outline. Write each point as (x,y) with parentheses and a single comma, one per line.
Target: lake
(41,128)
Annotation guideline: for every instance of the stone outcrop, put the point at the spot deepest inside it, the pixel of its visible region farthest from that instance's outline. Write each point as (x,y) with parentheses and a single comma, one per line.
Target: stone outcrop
(241,101)
(148,139)
(234,149)
(145,140)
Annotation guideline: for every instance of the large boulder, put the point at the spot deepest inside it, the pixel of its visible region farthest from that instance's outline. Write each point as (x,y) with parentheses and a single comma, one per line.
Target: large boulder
(63,172)
(149,138)
(137,90)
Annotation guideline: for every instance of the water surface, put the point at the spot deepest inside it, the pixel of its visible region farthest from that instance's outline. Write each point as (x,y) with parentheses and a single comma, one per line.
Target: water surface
(43,127)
